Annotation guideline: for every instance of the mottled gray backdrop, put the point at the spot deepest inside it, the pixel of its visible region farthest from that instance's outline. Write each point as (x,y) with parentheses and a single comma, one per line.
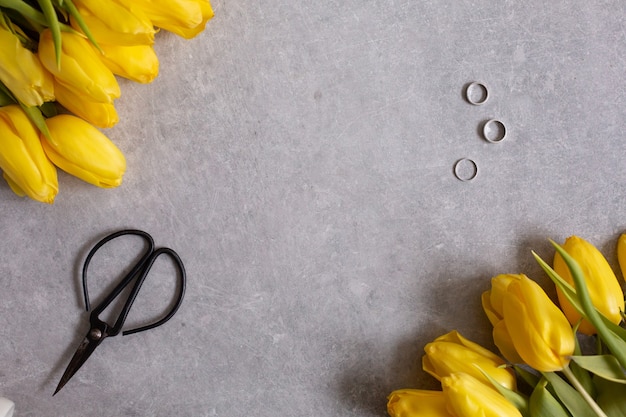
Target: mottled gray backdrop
(298,156)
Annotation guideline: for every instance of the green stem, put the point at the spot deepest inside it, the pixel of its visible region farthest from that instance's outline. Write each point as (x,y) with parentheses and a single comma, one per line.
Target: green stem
(579,387)
(53,23)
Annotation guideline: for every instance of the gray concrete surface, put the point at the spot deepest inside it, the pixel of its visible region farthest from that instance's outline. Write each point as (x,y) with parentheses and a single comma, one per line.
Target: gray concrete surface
(298,156)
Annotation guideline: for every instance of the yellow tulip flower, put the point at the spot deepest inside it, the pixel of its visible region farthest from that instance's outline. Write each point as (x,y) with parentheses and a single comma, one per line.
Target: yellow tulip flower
(137,63)
(453,353)
(540,332)
(468,397)
(186,18)
(621,254)
(114,23)
(492,305)
(81,70)
(22,72)
(604,289)
(82,150)
(98,114)
(417,403)
(22,159)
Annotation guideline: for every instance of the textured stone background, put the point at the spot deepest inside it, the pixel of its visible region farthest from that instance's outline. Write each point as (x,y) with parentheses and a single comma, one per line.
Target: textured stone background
(298,156)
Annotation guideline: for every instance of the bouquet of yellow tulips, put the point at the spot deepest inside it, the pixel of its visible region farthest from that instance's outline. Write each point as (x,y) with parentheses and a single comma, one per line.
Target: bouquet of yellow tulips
(555,362)
(58,65)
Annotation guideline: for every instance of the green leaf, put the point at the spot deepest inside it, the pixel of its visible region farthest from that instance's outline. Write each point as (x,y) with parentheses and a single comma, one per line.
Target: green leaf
(543,403)
(617,330)
(611,397)
(53,23)
(570,398)
(25,10)
(616,345)
(5,99)
(605,366)
(518,400)
(568,291)
(34,114)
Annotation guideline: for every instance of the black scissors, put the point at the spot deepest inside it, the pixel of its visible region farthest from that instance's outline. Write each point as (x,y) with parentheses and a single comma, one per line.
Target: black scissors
(99,330)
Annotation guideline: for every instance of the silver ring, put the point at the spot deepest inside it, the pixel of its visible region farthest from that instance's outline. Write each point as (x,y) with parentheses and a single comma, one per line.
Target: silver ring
(494,131)
(476,93)
(465,169)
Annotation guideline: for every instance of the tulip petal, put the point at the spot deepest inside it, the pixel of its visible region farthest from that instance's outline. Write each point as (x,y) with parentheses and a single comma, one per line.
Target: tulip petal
(540,332)
(22,72)
(612,339)
(137,63)
(98,114)
(80,149)
(417,403)
(114,23)
(502,339)
(492,315)
(466,396)
(604,289)
(186,18)
(82,71)
(22,159)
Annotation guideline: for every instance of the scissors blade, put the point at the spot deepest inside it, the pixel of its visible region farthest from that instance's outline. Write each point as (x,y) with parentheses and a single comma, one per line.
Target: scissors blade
(85,349)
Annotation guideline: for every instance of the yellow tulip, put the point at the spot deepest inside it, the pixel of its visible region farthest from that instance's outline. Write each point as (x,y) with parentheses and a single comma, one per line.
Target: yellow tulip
(137,63)
(98,114)
(82,150)
(468,397)
(81,70)
(492,305)
(22,159)
(540,332)
(186,18)
(417,403)
(621,254)
(114,23)
(453,353)
(604,289)
(22,72)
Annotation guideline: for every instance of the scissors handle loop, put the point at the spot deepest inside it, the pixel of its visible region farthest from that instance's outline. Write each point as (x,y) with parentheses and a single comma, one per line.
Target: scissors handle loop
(138,274)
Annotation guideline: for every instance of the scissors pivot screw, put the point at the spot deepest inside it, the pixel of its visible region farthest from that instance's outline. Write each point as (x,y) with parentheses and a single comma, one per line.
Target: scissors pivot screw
(95,334)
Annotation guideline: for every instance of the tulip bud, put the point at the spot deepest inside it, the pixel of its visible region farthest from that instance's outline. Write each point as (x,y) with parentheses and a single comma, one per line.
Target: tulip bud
(417,403)
(137,63)
(98,114)
(22,159)
(468,397)
(81,70)
(452,353)
(22,72)
(82,150)
(186,18)
(604,289)
(540,332)
(113,23)
(492,305)
(621,254)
